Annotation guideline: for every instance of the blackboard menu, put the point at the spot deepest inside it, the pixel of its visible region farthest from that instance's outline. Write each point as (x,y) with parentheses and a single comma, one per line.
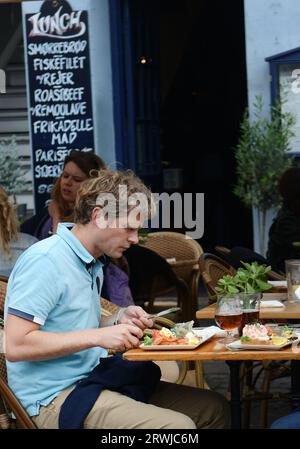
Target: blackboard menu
(59,86)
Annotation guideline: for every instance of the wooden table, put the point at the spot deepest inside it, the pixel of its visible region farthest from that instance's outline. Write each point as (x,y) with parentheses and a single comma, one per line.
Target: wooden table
(215,350)
(291,311)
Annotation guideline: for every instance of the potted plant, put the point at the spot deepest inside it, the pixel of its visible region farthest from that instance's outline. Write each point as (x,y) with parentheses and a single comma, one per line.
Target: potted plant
(261,157)
(250,279)
(247,284)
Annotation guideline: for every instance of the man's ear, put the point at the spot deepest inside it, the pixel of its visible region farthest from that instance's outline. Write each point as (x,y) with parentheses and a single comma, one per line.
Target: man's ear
(99,219)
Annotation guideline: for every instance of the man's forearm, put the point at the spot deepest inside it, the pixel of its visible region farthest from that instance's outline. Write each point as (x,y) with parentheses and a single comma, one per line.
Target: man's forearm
(40,345)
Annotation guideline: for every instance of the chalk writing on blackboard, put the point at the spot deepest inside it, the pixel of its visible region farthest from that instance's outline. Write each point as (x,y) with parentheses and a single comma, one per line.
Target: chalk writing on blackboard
(58,64)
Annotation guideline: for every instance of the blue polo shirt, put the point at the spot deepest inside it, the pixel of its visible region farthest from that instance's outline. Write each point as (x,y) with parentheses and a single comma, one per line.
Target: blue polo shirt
(55,283)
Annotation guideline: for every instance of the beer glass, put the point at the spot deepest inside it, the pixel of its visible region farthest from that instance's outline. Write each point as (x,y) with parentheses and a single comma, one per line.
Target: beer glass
(292,269)
(250,303)
(229,314)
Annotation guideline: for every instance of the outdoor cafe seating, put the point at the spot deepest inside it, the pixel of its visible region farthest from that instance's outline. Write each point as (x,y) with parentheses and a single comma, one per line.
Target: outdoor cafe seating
(211,268)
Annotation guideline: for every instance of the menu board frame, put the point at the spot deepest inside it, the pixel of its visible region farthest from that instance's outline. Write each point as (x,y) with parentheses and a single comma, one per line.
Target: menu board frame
(59,89)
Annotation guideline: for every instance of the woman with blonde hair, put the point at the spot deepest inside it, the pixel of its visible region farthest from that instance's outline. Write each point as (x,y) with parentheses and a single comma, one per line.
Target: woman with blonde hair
(12,243)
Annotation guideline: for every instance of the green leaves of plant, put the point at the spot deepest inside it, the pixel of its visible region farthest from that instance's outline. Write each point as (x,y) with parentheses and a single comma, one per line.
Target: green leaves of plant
(262,154)
(251,279)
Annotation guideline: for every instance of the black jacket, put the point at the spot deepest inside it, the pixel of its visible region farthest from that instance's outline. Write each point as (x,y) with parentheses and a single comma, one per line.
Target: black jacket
(284,231)
(135,379)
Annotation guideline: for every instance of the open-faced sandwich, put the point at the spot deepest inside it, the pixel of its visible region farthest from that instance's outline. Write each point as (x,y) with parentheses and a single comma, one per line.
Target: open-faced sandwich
(168,337)
(258,334)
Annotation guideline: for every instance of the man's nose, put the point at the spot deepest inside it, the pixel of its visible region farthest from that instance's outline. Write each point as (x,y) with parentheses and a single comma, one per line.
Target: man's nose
(134,238)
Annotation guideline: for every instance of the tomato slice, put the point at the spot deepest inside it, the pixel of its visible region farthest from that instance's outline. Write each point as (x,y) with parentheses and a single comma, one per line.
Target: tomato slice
(157,340)
(156,334)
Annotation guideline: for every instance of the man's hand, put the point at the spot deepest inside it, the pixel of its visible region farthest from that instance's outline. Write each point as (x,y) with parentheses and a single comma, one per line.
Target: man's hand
(120,337)
(137,316)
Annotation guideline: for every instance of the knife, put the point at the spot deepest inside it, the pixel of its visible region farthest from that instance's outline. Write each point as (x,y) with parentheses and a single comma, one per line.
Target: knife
(164,312)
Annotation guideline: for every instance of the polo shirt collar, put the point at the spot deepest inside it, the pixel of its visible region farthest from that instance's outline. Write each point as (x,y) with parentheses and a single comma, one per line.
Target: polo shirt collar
(64,232)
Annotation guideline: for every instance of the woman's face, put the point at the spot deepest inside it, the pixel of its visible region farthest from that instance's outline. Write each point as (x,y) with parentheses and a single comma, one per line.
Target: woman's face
(71,179)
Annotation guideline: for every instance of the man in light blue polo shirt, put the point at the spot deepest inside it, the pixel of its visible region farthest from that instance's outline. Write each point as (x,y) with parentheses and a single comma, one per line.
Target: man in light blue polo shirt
(55,275)
(55,333)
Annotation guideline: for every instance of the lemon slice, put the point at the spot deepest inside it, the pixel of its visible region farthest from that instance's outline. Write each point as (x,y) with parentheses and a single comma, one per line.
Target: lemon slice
(279,340)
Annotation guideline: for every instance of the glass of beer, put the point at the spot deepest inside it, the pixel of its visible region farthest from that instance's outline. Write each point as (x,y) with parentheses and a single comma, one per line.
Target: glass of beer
(292,269)
(229,314)
(250,304)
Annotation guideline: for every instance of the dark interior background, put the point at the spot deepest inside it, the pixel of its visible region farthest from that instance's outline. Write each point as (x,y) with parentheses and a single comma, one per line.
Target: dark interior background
(202,103)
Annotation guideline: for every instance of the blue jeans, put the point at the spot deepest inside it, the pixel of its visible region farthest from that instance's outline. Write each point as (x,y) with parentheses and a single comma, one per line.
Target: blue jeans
(291,421)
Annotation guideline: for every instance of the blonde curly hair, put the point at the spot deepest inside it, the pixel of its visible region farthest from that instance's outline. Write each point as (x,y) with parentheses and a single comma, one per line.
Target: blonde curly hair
(8,222)
(115,185)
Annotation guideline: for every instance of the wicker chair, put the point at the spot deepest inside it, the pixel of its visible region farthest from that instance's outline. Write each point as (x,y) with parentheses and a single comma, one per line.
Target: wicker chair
(8,401)
(22,419)
(3,278)
(272,275)
(108,307)
(183,255)
(212,268)
(151,276)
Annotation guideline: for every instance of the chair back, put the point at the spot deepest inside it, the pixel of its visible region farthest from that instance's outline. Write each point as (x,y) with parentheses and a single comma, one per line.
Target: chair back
(183,255)
(181,252)
(107,307)
(8,401)
(3,287)
(234,255)
(151,276)
(212,268)
(3,278)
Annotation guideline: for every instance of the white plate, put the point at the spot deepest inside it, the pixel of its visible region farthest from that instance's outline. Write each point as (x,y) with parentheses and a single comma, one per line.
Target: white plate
(263,346)
(205,334)
(168,347)
(271,304)
(278,283)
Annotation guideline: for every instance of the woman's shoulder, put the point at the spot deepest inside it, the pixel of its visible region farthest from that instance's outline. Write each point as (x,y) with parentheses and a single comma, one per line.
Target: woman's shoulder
(23,242)
(23,237)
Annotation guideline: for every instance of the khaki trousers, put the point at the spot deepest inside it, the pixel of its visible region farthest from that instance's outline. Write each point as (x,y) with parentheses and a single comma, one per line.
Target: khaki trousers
(171,407)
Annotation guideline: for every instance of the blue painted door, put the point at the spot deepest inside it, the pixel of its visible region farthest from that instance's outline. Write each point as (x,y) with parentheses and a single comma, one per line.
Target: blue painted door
(136,79)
